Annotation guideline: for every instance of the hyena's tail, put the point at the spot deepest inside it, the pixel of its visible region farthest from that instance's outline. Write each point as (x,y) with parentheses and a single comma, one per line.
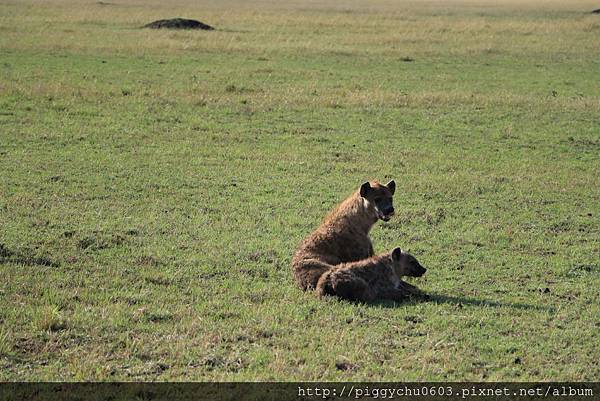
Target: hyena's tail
(324,286)
(308,272)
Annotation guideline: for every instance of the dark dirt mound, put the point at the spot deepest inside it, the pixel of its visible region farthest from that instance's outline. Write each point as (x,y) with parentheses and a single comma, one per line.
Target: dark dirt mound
(178,23)
(596,11)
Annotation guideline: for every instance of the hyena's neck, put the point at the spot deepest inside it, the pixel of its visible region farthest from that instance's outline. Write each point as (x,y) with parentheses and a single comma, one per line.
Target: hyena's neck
(356,213)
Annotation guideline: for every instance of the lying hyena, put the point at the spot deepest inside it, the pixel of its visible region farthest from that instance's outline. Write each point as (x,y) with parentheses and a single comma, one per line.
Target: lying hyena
(378,277)
(344,234)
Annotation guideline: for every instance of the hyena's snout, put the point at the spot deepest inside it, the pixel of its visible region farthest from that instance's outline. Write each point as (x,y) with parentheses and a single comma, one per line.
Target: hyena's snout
(386,211)
(419,271)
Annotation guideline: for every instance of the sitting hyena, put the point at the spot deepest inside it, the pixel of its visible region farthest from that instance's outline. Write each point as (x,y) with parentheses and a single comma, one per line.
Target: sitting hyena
(378,277)
(344,235)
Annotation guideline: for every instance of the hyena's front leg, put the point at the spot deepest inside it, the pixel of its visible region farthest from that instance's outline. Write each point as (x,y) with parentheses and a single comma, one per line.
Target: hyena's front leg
(371,250)
(408,288)
(393,294)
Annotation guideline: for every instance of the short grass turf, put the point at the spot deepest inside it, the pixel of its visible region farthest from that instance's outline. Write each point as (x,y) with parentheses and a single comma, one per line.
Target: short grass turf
(154,185)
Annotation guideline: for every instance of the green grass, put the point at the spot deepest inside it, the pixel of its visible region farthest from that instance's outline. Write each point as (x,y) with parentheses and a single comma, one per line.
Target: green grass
(154,186)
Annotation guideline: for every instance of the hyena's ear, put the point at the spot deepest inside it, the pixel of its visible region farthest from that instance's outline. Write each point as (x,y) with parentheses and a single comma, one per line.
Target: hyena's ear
(364,189)
(396,254)
(391,186)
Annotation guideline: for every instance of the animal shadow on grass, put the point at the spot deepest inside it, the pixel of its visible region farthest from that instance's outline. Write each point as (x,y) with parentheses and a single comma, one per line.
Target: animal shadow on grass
(458,301)
(24,257)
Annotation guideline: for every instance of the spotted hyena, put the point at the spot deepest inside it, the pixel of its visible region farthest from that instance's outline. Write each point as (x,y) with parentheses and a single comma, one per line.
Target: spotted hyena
(378,277)
(344,234)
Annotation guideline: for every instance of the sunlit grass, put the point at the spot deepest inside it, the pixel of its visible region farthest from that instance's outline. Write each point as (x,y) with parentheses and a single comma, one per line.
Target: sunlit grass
(154,185)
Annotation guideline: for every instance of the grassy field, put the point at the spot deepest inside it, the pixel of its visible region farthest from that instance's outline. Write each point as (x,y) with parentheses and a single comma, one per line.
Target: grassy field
(154,185)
